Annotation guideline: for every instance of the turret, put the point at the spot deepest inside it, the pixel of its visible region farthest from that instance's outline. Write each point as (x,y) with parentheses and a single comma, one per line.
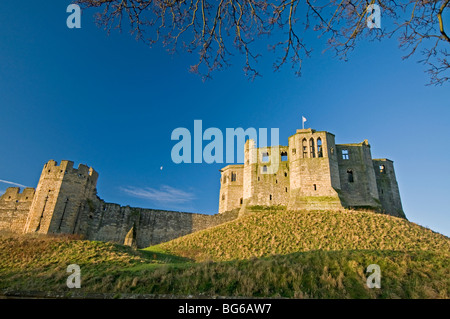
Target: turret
(61,194)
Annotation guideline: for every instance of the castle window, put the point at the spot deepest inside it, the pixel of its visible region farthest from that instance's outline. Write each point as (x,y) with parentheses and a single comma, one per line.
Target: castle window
(315,187)
(276,181)
(270,196)
(345,154)
(223,196)
(350,176)
(331,150)
(312,150)
(294,151)
(258,179)
(241,200)
(233,176)
(319,147)
(265,157)
(382,169)
(305,148)
(284,157)
(285,174)
(264,169)
(285,189)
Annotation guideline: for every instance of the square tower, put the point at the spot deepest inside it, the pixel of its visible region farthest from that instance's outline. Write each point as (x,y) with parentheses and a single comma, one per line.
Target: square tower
(61,195)
(314,173)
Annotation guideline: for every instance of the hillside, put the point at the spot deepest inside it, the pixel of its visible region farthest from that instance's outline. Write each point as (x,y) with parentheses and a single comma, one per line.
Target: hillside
(272,254)
(282,232)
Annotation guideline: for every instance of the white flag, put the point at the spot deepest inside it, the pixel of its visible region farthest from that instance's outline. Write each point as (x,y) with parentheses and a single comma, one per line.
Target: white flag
(303,119)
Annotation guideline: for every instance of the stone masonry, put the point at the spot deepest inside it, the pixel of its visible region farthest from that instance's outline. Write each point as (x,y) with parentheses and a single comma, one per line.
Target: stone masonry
(312,173)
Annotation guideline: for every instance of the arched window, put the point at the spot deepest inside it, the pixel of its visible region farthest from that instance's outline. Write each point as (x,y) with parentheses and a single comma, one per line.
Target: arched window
(319,147)
(350,176)
(382,169)
(312,150)
(305,148)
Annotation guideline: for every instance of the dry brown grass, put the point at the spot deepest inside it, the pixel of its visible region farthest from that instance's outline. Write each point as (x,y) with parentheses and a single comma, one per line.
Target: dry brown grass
(271,233)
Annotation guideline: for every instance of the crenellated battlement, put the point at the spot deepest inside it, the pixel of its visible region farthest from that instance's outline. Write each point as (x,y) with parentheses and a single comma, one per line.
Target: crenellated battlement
(51,168)
(15,194)
(312,172)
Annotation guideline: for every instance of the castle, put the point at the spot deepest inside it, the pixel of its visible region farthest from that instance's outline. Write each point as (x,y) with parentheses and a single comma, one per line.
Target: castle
(311,173)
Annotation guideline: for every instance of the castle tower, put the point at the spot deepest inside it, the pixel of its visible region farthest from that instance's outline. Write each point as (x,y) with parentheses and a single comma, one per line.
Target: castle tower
(314,172)
(231,181)
(266,176)
(388,191)
(61,194)
(357,176)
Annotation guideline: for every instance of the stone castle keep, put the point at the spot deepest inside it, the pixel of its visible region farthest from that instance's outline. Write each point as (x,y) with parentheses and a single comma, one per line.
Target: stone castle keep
(313,173)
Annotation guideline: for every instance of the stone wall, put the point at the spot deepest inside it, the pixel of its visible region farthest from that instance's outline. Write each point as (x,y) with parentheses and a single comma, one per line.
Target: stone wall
(231,190)
(60,195)
(388,191)
(314,173)
(357,177)
(14,208)
(111,222)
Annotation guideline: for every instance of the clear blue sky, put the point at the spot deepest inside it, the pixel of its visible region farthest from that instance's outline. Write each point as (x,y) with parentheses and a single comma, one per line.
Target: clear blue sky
(112,103)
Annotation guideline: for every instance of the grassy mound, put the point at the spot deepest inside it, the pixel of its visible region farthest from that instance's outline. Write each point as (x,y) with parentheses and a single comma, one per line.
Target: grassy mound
(269,233)
(278,254)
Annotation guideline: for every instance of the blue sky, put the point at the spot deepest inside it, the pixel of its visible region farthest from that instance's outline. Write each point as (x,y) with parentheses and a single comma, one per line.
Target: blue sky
(112,103)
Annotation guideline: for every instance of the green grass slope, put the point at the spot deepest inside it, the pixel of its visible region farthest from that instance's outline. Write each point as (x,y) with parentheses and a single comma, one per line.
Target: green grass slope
(278,254)
(280,233)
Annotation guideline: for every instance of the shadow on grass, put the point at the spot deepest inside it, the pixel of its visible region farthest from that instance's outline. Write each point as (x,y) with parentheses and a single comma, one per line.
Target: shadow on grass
(158,255)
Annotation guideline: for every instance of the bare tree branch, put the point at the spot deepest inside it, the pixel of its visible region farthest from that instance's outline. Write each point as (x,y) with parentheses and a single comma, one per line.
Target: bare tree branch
(218,29)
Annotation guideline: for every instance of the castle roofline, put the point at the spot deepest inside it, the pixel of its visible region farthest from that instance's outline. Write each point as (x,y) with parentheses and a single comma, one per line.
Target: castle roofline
(231,166)
(383,159)
(365,142)
(310,131)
